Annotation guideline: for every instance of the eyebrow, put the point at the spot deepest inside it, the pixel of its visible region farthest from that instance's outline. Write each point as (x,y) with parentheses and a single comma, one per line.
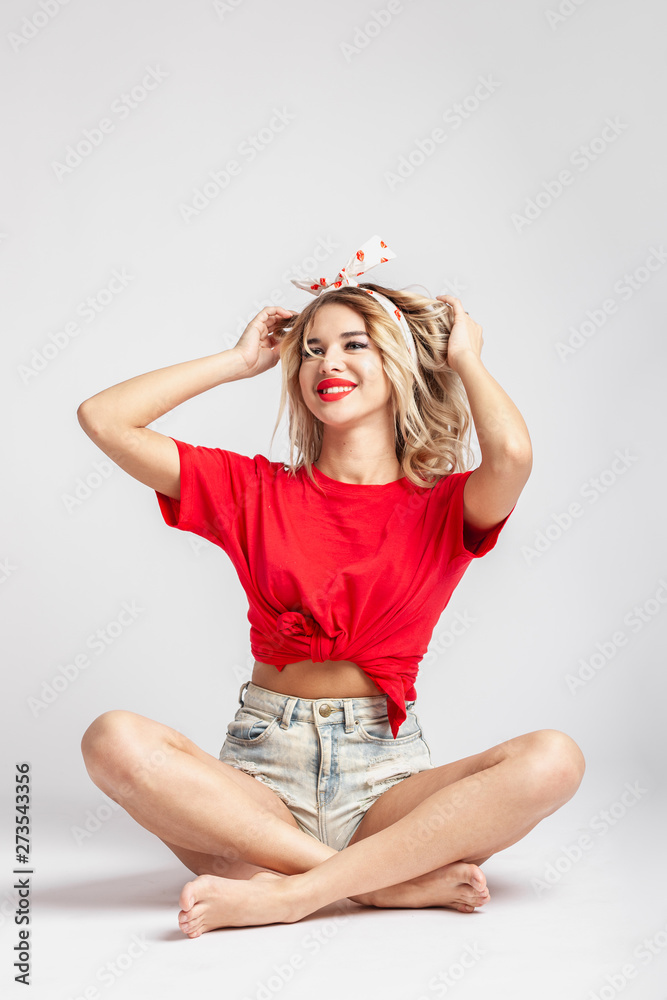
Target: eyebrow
(342,336)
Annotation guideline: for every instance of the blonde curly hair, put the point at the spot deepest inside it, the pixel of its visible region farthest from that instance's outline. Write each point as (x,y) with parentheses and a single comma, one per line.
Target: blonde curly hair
(430,407)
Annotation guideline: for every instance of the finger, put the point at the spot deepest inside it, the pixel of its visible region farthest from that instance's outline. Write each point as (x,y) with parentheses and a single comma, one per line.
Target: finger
(278,315)
(275,313)
(452,301)
(456,304)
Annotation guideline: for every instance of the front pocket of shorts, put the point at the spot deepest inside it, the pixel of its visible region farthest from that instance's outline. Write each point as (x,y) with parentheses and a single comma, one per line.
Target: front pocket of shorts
(250,728)
(379,731)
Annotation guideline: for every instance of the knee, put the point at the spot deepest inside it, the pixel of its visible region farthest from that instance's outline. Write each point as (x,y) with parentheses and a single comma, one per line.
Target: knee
(108,741)
(556,764)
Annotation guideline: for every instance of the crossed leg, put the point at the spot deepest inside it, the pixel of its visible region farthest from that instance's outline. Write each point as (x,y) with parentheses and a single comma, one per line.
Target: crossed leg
(458,813)
(222,822)
(189,798)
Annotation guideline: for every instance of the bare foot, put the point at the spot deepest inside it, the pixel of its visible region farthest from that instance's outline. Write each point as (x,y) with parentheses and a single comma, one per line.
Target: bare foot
(458,886)
(210,901)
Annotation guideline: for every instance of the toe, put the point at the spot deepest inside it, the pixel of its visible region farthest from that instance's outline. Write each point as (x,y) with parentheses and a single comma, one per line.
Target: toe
(190,918)
(465,894)
(475,878)
(195,890)
(194,914)
(187,897)
(190,927)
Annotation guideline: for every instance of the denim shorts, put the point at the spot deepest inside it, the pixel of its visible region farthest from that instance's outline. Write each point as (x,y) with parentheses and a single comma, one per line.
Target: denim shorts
(327,759)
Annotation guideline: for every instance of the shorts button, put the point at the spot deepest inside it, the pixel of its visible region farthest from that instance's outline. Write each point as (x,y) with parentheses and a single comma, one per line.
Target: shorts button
(325,710)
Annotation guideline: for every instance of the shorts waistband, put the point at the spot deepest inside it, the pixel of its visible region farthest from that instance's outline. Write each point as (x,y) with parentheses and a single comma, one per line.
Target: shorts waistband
(319,711)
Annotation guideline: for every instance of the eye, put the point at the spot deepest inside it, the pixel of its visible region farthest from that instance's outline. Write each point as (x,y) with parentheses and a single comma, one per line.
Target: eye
(351,343)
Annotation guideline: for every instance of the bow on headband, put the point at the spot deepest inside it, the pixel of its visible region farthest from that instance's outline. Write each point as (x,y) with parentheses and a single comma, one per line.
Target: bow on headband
(373,252)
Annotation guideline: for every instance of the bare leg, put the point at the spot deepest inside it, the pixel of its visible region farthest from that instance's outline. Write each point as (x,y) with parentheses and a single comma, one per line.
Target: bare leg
(203,809)
(189,799)
(469,819)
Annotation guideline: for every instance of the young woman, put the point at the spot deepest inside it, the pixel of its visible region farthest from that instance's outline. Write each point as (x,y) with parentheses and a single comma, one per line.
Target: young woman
(324,787)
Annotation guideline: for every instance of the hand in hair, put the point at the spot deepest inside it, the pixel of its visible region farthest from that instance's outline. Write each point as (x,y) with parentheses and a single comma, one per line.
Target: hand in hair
(465,336)
(256,345)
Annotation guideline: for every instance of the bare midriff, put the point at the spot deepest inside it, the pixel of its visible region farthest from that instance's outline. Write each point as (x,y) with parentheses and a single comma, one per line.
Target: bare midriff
(306,679)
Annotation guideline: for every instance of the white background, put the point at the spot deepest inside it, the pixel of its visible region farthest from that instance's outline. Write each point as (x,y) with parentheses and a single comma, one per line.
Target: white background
(362,100)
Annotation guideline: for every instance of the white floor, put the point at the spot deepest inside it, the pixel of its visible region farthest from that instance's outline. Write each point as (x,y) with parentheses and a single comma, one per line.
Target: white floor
(104,911)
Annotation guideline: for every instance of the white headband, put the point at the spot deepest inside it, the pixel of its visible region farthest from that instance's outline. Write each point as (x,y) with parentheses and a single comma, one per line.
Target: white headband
(374,251)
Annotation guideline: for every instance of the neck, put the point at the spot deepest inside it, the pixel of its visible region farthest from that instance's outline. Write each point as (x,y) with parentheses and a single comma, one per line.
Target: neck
(347,466)
(363,453)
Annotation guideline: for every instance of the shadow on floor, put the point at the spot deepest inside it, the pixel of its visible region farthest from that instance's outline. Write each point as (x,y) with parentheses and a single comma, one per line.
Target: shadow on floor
(156,888)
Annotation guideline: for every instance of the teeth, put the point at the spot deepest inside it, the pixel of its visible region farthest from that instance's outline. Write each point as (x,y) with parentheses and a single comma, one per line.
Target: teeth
(338,388)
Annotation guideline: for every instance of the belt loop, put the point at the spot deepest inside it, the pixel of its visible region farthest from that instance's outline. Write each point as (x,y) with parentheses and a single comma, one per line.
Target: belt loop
(243,687)
(348,705)
(287,712)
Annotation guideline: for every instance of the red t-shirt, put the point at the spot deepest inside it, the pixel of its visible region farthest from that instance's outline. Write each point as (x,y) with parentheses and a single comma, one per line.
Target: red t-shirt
(361,574)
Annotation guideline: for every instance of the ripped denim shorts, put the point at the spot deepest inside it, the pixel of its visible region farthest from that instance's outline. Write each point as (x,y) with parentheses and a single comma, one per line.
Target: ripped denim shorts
(328,759)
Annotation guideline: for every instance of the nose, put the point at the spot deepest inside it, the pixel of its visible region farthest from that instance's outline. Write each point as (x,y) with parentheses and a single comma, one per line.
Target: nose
(330,362)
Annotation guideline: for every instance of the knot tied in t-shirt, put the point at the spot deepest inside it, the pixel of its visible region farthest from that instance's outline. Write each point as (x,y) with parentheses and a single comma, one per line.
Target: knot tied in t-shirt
(294,623)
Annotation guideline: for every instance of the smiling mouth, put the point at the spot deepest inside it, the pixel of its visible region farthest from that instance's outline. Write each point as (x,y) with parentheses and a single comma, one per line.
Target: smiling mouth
(338,390)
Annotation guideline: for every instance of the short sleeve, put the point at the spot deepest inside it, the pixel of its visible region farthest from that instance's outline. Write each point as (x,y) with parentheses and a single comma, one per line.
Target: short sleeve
(470,541)
(215,488)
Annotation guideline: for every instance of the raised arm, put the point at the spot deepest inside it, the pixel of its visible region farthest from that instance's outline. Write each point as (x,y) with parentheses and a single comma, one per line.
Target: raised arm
(116,418)
(494,487)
